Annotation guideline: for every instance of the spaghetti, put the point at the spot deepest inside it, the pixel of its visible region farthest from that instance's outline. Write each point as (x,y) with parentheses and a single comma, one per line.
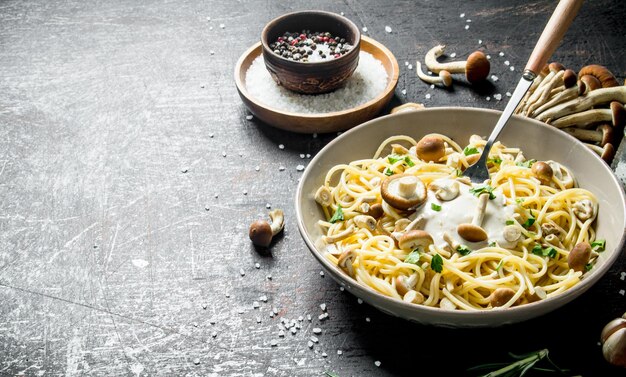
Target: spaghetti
(524,235)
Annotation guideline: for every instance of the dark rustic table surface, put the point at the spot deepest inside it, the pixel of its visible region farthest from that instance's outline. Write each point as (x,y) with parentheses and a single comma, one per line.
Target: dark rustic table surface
(128,181)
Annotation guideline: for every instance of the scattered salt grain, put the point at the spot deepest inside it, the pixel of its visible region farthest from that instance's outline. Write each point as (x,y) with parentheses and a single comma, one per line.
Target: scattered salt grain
(281,168)
(212,321)
(501,53)
(339,352)
(314,339)
(216,196)
(488,98)
(208,18)
(622,292)
(258,319)
(223,154)
(512,68)
(212,52)
(497,97)
(453,55)
(227,295)
(341,13)
(275,311)
(406,63)
(214,334)
(281,146)
(301,318)
(245,192)
(294,330)
(427,96)
(377,363)
(249,117)
(364,29)
(494,78)
(403,91)
(263,298)
(622,276)
(302,155)
(309,318)
(257,168)
(480,41)
(184,170)
(273,342)
(308,155)
(368,80)
(255,305)
(322,273)
(388,29)
(204,306)
(506,62)
(468,20)
(342,289)
(269,277)
(508,94)
(322,317)
(462,15)
(210,27)
(324,354)
(432,86)
(466,27)
(410,66)
(488,57)
(300,167)
(242,272)
(240,311)
(222,26)
(317,330)
(359,300)
(281,334)
(367,319)
(257,265)
(268,206)
(196,361)
(323,307)
(310,344)
(211,135)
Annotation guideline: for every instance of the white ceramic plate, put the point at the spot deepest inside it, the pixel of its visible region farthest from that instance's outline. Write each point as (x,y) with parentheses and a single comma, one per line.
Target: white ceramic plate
(536,139)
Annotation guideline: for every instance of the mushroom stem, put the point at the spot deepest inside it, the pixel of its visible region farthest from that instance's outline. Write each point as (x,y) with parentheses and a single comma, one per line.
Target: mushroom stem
(278,221)
(545,92)
(480,209)
(450,241)
(607,152)
(585,102)
(602,135)
(444,76)
(339,236)
(530,91)
(434,65)
(561,97)
(616,115)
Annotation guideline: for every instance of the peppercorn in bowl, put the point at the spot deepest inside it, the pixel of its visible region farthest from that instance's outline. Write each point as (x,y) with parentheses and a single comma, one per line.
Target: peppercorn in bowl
(311,52)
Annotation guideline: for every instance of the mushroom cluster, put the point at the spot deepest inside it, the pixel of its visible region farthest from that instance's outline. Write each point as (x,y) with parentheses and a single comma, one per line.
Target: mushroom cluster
(476,67)
(588,105)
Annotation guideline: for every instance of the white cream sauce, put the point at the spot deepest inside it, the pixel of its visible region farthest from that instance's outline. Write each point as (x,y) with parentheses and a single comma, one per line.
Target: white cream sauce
(461,210)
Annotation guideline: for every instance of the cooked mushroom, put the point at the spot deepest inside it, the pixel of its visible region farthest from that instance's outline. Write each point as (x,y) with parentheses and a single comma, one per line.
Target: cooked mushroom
(401,224)
(413,297)
(578,258)
(261,232)
(339,236)
(417,223)
(476,67)
(399,149)
(376,210)
(601,73)
(602,134)
(543,172)
(501,296)
(585,102)
(447,304)
(430,148)
(615,114)
(345,262)
(445,190)
(415,239)
(365,222)
(613,338)
(512,233)
(607,152)
(553,240)
(323,196)
(405,284)
(549,228)
(403,191)
(540,294)
(450,241)
(444,78)
(474,232)
(584,209)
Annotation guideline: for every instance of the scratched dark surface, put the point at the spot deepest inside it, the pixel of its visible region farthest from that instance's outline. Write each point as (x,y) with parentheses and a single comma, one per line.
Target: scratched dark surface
(123,228)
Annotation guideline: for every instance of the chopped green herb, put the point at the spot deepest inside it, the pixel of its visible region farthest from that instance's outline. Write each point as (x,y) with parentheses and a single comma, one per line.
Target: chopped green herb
(492,244)
(393,158)
(468,151)
(463,250)
(510,222)
(528,223)
(413,257)
(458,172)
(408,161)
(547,252)
(495,160)
(520,200)
(481,189)
(435,207)
(526,164)
(436,263)
(499,266)
(338,215)
(519,368)
(388,172)
(598,245)
(588,266)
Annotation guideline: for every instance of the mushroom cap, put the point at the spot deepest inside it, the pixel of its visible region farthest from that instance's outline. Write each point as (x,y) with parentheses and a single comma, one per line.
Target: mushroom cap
(401,285)
(569,78)
(471,232)
(376,210)
(556,67)
(608,152)
(446,77)
(619,114)
(604,76)
(543,172)
(591,82)
(390,191)
(607,133)
(501,296)
(579,256)
(430,148)
(415,239)
(477,67)
(260,233)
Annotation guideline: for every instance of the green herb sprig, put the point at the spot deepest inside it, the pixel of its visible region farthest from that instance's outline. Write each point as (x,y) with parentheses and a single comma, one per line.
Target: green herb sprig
(519,368)
(482,189)
(337,216)
(436,263)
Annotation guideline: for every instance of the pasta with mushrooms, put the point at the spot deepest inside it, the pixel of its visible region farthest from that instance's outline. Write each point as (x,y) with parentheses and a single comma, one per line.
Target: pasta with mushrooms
(408,225)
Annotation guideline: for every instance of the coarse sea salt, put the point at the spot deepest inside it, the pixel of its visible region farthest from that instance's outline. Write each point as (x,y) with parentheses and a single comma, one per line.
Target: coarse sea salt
(368,80)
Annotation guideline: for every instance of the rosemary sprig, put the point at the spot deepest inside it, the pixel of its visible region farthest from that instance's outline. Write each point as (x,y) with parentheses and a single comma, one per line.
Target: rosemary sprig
(519,368)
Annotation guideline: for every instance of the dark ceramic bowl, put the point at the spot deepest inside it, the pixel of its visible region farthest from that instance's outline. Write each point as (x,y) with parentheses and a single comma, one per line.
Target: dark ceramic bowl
(311,77)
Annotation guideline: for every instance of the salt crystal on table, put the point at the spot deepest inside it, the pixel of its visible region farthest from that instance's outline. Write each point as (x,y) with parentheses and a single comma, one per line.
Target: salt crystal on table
(359,300)
(281,146)
(512,68)
(488,57)
(214,334)
(242,272)
(302,155)
(196,361)
(388,29)
(410,66)
(317,330)
(245,192)
(323,307)
(273,342)
(466,27)
(468,20)
(212,52)
(300,167)
(223,154)
(364,29)
(506,62)
(324,354)
(462,15)
(308,155)
(427,96)
(342,289)
(377,363)
(488,98)
(309,318)
(263,298)
(257,265)
(281,334)
(211,135)
(222,26)
(255,305)
(257,168)
(480,41)
(322,273)
(508,94)
(453,55)
(294,330)
(341,13)
(268,206)
(210,27)
(406,63)
(501,53)
(403,91)
(494,77)
(314,339)
(497,96)
(249,117)
(309,344)
(258,319)
(622,292)
(281,168)
(208,18)
(339,352)
(367,319)
(432,86)
(269,277)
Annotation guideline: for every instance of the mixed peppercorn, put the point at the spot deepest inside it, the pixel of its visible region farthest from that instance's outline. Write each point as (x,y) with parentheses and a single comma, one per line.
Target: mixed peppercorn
(310,46)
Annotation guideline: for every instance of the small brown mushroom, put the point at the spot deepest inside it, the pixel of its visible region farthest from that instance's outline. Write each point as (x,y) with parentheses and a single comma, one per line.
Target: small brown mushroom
(601,73)
(261,232)
(615,114)
(405,284)
(323,196)
(579,256)
(403,191)
(591,83)
(375,210)
(584,209)
(603,134)
(430,148)
(613,339)
(445,190)
(569,78)
(585,102)
(444,78)
(476,67)
(345,262)
(543,172)
(474,232)
(607,152)
(415,239)
(365,222)
(501,296)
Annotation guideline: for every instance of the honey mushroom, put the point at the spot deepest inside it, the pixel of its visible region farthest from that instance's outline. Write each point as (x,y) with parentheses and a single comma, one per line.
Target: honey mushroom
(261,232)
(476,67)
(403,191)
(501,296)
(578,258)
(543,172)
(444,78)
(430,148)
(616,114)
(474,232)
